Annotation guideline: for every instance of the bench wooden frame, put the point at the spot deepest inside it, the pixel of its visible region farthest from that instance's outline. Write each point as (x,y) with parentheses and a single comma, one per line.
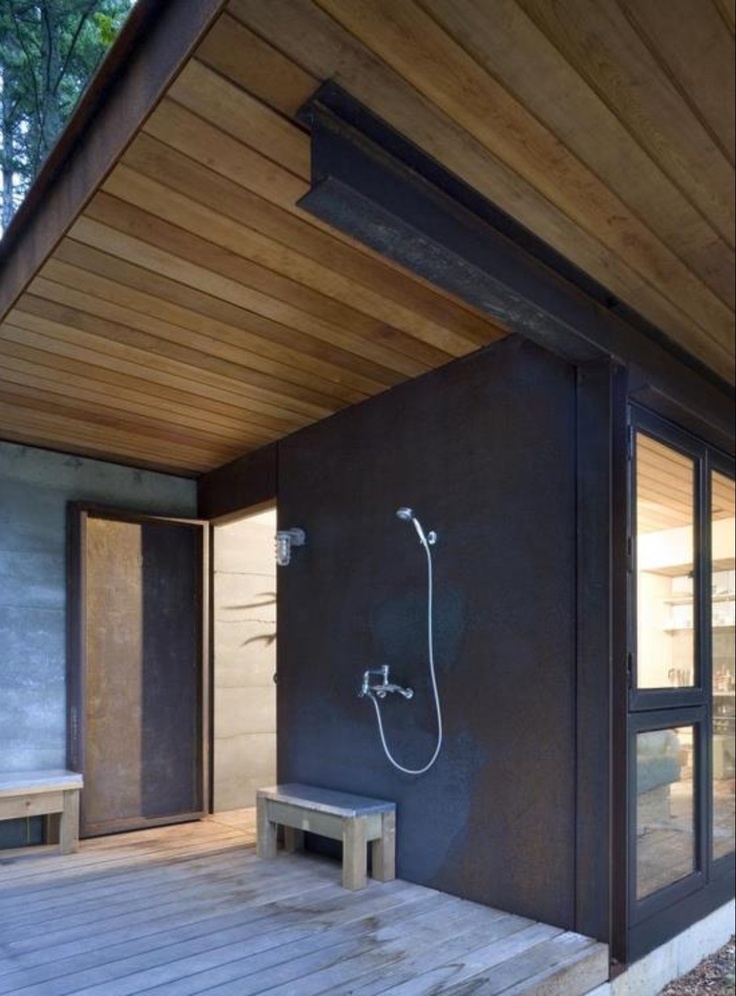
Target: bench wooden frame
(44,793)
(354,819)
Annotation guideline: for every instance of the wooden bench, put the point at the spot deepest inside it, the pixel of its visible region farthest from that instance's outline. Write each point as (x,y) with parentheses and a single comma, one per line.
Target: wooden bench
(353,819)
(44,793)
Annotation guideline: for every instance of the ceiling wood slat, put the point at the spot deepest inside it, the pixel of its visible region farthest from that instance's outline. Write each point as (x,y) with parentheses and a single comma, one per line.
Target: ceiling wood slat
(127,342)
(48,396)
(727,10)
(697,54)
(180,309)
(167,402)
(56,381)
(122,229)
(56,337)
(591,129)
(288,226)
(203,311)
(160,201)
(56,426)
(232,360)
(333,53)
(416,47)
(610,54)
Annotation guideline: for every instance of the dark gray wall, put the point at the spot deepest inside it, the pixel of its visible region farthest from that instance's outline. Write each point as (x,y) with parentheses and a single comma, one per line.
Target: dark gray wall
(35,487)
(484,451)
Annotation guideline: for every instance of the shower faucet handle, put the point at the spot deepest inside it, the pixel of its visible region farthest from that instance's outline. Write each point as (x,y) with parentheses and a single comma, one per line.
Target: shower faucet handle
(384,686)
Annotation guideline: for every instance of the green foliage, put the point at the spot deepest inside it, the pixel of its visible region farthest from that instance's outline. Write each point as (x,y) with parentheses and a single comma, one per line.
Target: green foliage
(49,50)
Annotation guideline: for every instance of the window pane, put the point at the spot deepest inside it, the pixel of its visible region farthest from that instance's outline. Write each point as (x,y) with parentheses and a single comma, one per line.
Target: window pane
(664,551)
(722,526)
(665,816)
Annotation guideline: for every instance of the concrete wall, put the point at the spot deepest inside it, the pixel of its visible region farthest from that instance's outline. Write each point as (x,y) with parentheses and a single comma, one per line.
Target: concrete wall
(35,488)
(245,660)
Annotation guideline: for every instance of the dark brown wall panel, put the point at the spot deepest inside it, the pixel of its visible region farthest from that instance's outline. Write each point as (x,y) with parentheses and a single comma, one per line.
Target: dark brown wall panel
(484,451)
(249,480)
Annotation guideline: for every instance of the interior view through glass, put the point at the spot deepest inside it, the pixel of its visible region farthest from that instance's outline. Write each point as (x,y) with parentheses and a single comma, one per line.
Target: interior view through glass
(724,686)
(669,626)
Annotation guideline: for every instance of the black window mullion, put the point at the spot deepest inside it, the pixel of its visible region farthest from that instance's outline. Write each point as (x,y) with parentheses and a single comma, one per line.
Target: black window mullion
(705,653)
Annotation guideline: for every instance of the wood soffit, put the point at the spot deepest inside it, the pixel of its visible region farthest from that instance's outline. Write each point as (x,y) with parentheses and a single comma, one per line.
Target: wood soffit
(186,311)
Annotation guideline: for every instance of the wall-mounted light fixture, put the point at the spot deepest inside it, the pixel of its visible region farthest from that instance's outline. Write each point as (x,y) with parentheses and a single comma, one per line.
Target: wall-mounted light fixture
(285,539)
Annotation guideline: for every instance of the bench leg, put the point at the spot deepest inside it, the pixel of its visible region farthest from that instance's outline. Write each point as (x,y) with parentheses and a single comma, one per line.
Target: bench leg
(383,850)
(293,839)
(265,831)
(354,854)
(69,825)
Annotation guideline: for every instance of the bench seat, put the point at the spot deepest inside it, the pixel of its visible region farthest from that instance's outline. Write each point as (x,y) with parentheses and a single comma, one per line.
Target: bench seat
(354,819)
(44,793)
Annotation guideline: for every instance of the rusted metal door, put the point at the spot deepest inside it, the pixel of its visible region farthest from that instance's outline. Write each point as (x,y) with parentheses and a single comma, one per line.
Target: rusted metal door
(136,670)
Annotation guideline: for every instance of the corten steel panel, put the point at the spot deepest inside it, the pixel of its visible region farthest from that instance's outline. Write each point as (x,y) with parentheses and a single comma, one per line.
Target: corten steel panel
(484,451)
(141,723)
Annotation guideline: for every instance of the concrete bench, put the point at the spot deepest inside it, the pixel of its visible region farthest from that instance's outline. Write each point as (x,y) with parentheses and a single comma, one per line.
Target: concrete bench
(353,819)
(44,793)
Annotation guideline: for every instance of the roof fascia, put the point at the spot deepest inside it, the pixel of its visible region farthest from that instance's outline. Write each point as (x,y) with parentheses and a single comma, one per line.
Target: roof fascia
(154,44)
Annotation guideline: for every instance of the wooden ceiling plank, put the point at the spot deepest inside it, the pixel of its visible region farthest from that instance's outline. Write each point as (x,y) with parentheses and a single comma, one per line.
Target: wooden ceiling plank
(222,230)
(507,45)
(49,377)
(218,356)
(60,279)
(316,355)
(235,52)
(698,55)
(414,45)
(154,350)
(174,253)
(289,227)
(602,45)
(49,438)
(675,500)
(93,349)
(178,128)
(97,406)
(24,436)
(333,53)
(63,426)
(153,45)
(246,60)
(236,113)
(45,353)
(727,10)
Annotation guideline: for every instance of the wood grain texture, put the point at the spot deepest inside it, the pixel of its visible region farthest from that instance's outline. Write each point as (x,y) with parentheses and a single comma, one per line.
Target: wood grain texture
(224,919)
(181,266)
(696,52)
(591,129)
(336,53)
(423,54)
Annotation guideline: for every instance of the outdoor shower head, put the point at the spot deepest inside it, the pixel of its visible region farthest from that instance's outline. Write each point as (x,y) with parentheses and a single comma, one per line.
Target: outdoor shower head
(407,515)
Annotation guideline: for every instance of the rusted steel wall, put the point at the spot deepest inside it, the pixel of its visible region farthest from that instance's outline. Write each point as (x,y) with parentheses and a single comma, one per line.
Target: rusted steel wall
(484,451)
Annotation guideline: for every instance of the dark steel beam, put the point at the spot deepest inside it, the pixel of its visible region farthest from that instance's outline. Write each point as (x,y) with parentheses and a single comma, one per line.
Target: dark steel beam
(370,182)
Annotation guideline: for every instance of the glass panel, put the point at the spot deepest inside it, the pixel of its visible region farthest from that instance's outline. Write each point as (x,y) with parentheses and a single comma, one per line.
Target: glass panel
(665,815)
(722,594)
(664,550)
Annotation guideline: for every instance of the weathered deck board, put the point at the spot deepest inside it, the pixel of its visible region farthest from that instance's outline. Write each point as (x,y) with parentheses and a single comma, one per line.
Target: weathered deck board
(181,910)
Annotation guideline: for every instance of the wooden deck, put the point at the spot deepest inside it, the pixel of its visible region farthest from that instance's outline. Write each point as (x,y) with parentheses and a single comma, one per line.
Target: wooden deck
(190,909)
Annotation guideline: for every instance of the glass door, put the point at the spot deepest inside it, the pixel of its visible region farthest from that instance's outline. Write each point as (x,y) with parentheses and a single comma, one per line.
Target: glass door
(681,660)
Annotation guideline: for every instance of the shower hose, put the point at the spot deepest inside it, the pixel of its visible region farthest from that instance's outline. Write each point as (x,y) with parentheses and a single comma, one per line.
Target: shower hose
(430,651)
